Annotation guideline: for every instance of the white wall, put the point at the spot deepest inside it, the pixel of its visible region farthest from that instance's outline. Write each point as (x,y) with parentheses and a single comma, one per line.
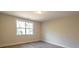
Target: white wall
(63,32)
(8,32)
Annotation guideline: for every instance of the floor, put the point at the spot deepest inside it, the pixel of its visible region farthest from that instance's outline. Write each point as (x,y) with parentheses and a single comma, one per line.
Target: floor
(35,45)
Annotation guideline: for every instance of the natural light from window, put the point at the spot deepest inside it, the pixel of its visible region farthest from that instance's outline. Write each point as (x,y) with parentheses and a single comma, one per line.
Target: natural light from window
(24,27)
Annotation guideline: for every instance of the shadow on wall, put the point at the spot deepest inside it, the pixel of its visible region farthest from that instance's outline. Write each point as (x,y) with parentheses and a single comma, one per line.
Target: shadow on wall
(64,32)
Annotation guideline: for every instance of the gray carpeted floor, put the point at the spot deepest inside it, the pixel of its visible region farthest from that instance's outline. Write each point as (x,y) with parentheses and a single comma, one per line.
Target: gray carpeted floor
(35,45)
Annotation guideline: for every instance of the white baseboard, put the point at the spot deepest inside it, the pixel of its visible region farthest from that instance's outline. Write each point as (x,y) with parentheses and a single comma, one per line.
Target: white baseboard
(56,44)
(16,43)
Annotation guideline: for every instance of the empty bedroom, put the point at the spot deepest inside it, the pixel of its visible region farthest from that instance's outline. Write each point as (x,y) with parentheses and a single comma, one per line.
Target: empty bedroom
(39,29)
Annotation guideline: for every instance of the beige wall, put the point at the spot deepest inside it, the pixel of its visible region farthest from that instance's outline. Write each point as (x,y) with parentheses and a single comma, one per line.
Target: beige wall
(63,32)
(0,32)
(8,32)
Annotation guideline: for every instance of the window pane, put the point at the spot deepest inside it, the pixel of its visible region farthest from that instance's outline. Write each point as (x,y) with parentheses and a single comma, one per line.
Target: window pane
(29,31)
(20,24)
(29,25)
(20,31)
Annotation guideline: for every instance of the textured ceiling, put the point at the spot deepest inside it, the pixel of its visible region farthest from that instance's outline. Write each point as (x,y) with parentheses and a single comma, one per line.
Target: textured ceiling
(46,15)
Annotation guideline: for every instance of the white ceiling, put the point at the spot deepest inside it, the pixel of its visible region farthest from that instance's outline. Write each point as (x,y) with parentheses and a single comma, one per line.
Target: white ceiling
(46,15)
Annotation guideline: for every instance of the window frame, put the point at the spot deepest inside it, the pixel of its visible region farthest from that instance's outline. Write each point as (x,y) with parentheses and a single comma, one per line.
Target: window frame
(26,21)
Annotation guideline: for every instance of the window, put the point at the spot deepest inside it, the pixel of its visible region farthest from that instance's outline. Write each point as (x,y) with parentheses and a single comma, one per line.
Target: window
(24,27)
